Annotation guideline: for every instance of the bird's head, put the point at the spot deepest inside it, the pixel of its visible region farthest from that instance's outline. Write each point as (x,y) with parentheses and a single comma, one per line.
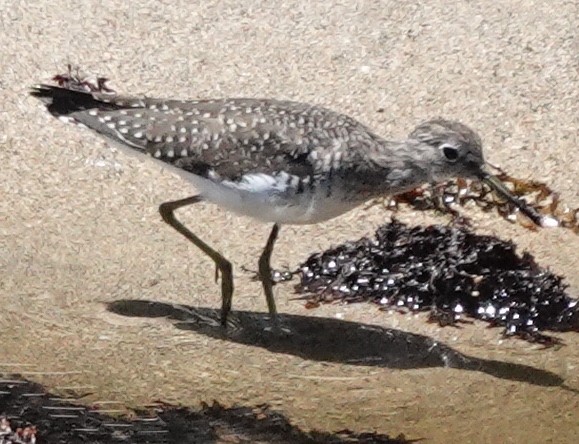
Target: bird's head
(451,150)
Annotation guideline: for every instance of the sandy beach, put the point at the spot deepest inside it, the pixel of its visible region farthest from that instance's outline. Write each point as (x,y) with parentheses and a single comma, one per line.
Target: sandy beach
(80,229)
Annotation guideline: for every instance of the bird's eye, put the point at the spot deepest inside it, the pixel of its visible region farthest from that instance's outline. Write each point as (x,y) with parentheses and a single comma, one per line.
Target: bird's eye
(450,152)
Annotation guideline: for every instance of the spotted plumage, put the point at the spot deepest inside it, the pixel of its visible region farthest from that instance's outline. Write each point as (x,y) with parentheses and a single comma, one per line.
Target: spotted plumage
(277,161)
(244,154)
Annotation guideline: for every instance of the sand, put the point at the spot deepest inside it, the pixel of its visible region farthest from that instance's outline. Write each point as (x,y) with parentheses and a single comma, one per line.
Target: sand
(79,226)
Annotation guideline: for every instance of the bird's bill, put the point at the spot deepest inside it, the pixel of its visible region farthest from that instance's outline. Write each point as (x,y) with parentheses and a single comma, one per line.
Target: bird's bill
(500,188)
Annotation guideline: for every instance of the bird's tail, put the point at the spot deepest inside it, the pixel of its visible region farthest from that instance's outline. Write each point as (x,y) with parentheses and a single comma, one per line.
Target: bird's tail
(97,107)
(64,101)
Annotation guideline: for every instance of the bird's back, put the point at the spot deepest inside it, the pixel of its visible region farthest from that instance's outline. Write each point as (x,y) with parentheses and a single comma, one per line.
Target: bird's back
(234,134)
(288,150)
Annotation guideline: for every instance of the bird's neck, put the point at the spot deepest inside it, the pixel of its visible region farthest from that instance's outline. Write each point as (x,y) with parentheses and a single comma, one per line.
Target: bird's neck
(395,168)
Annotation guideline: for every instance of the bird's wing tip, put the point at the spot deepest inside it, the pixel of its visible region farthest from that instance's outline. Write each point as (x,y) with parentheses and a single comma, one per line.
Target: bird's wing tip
(42,92)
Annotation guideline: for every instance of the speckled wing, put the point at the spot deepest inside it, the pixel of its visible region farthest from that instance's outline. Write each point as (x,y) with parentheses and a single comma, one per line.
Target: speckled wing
(218,139)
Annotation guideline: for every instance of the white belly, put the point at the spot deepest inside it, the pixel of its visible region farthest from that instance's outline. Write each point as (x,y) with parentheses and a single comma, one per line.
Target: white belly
(265,198)
(262,197)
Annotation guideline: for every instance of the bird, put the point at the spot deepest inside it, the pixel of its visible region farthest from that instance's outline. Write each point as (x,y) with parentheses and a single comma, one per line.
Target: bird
(278,161)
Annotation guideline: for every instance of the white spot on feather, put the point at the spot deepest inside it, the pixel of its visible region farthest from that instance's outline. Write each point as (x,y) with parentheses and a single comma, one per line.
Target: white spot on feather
(549,222)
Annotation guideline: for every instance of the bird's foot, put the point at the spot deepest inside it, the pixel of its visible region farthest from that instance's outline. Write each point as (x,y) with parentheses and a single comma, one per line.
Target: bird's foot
(277,276)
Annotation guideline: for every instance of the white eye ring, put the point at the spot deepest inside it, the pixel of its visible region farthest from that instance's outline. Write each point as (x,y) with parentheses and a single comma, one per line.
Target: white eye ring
(450,152)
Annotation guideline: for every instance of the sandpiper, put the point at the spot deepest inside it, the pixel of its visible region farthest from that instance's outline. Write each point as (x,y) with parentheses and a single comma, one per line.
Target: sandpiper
(277,161)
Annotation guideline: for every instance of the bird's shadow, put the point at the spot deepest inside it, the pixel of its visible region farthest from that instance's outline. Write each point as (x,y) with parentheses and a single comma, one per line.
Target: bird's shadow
(333,340)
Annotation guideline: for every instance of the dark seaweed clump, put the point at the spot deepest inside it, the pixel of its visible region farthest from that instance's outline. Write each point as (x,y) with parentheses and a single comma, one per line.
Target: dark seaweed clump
(29,414)
(448,271)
